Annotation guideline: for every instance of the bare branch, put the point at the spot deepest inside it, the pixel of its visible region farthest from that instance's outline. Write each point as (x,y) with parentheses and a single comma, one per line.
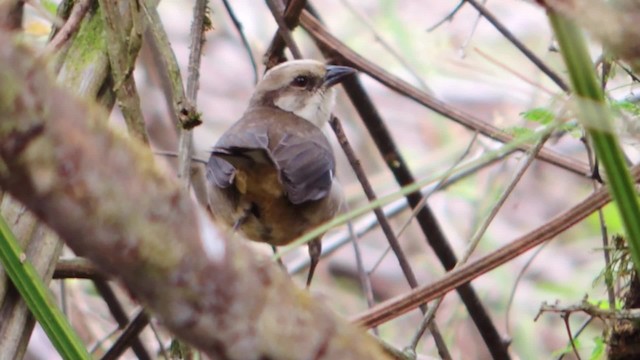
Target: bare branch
(423,294)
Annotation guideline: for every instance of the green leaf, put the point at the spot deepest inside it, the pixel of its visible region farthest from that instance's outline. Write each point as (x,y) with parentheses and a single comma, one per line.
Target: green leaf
(595,116)
(539,115)
(519,132)
(628,106)
(598,350)
(39,301)
(50,5)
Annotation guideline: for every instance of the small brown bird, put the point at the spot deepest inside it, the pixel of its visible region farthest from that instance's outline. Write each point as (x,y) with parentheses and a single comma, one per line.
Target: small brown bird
(271,176)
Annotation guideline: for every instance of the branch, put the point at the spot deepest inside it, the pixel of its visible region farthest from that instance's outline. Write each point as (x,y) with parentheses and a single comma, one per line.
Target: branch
(103,195)
(392,308)
(350,58)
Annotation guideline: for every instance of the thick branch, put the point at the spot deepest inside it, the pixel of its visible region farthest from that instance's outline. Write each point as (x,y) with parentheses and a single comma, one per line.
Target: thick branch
(103,195)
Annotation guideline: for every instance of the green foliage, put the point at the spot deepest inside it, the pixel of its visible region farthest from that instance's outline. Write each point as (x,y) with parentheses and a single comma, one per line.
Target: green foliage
(599,349)
(627,106)
(50,5)
(37,297)
(595,116)
(539,115)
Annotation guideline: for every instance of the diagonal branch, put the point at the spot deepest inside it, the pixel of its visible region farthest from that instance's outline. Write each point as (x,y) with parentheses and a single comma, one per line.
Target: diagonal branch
(399,305)
(348,57)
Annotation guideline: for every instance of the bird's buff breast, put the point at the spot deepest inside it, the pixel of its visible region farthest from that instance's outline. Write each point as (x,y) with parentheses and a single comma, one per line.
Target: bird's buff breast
(271,218)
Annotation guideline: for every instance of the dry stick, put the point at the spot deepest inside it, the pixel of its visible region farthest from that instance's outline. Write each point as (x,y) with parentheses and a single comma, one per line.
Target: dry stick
(118,313)
(578,332)
(169,64)
(565,317)
(122,55)
(399,305)
(426,219)
(467,41)
(369,222)
(238,25)
(591,310)
(449,17)
(275,53)
(503,66)
(72,25)
(444,180)
(275,6)
(608,279)
(512,295)
(185,144)
(77,268)
(130,333)
(518,44)
(475,239)
(385,226)
(365,281)
(351,58)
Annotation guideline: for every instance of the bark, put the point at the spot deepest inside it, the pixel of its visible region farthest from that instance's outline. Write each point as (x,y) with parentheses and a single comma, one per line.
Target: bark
(103,194)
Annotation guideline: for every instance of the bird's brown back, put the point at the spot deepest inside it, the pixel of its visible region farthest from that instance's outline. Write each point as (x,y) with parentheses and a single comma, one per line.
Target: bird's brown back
(276,170)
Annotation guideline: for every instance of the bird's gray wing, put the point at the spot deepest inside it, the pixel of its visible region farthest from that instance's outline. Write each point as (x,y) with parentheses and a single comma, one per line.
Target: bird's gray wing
(237,148)
(306,166)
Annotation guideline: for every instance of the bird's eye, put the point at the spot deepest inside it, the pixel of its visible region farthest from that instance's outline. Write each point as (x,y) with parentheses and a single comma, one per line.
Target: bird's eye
(300,81)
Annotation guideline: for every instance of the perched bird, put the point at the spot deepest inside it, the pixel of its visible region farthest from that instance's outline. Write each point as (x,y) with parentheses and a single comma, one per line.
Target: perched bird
(271,176)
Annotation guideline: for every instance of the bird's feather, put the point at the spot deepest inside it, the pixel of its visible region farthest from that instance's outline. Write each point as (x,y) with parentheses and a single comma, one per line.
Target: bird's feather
(297,149)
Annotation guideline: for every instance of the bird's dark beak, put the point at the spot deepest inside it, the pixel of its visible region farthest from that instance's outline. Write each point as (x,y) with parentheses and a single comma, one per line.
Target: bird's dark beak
(335,74)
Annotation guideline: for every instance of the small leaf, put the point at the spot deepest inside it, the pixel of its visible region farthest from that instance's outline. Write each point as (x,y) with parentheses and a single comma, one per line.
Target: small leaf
(539,115)
(598,349)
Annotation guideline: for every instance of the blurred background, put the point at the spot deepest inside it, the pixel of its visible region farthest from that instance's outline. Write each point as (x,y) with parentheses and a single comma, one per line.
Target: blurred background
(463,61)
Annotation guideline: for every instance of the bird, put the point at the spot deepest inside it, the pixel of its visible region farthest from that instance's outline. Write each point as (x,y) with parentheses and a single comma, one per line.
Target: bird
(271,175)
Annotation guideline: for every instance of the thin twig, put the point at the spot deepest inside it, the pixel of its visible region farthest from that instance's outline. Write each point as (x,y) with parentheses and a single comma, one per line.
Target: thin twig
(188,118)
(519,45)
(185,144)
(129,335)
(426,218)
(512,295)
(513,71)
(394,307)
(275,53)
(338,50)
(277,10)
(365,281)
(608,277)
(384,224)
(369,222)
(69,28)
(477,236)
(449,17)
(565,318)
(467,41)
(578,332)
(117,311)
(122,55)
(238,25)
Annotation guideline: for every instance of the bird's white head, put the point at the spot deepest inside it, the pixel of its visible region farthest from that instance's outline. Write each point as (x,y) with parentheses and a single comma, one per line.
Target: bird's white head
(302,87)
